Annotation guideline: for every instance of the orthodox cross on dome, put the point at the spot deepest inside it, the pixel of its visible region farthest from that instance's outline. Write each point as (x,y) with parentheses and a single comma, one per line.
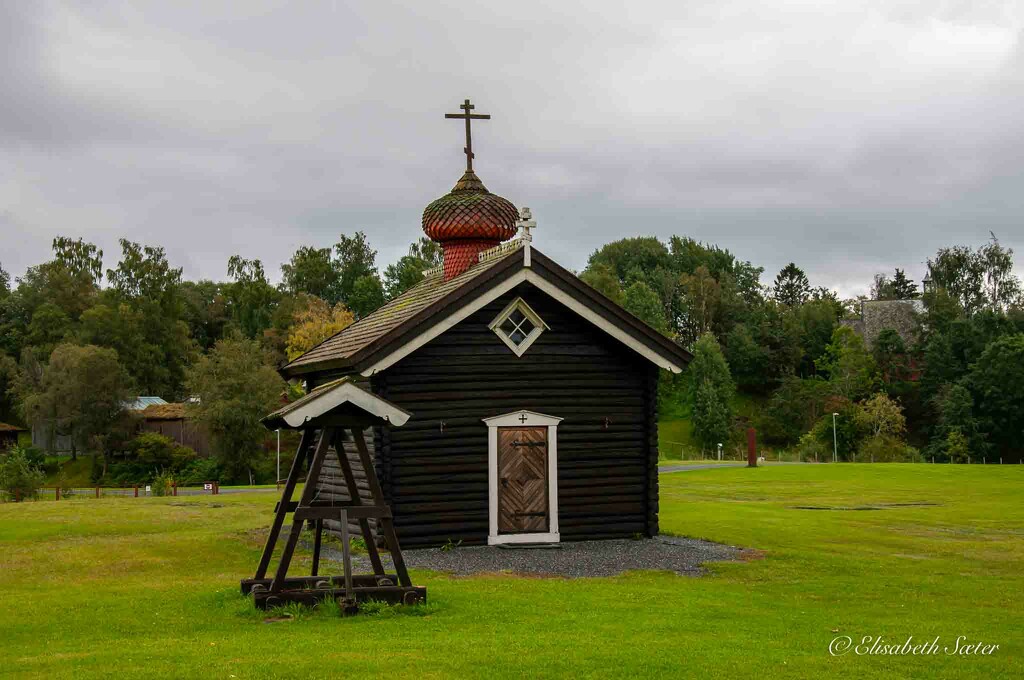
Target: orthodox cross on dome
(467,107)
(526,223)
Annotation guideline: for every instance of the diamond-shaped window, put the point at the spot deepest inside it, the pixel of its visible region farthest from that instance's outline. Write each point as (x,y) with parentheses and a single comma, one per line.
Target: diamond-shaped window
(518,326)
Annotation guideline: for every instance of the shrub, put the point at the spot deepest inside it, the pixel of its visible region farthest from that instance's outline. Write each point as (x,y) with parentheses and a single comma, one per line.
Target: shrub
(153,450)
(199,471)
(810,448)
(19,479)
(162,484)
(886,449)
(957,447)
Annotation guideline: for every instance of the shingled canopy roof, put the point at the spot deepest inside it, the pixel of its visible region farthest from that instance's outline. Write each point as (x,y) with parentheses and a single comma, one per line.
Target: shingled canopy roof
(343,398)
(427,309)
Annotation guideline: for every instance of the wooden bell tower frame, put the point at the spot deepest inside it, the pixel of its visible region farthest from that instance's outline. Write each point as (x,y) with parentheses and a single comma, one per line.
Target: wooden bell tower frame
(324,416)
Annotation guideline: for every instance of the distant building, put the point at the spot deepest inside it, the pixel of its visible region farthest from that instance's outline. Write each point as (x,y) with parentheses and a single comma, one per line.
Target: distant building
(9,435)
(878,315)
(61,443)
(172,420)
(140,403)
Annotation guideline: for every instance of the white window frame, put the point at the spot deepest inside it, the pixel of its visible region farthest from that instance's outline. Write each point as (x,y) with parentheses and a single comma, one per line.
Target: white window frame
(538,326)
(514,419)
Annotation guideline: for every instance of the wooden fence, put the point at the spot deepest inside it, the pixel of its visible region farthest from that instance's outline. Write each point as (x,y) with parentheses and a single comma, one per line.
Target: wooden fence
(56,493)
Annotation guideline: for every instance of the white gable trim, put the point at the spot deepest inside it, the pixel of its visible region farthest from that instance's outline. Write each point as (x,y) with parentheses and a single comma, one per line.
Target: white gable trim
(599,321)
(522,418)
(530,276)
(346,393)
(533,419)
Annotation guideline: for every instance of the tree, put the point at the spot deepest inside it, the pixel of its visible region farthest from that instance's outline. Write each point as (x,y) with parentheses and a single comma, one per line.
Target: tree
(206,311)
(817,319)
(70,281)
(627,256)
(903,288)
(775,329)
(899,287)
(314,324)
(702,297)
(602,278)
(251,296)
(49,326)
(1001,287)
(79,258)
(890,354)
(746,357)
(8,383)
(997,383)
(959,272)
(19,479)
(791,286)
(957,432)
(235,388)
(159,452)
(5,283)
(848,364)
(882,417)
(355,259)
(313,272)
(408,271)
(712,390)
(367,295)
(644,304)
(81,393)
(794,408)
(143,314)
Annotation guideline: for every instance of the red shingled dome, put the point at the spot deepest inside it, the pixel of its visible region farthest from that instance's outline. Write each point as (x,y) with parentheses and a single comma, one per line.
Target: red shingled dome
(467,221)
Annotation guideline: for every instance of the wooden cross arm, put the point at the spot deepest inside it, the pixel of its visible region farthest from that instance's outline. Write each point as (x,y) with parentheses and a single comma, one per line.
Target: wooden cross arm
(475,116)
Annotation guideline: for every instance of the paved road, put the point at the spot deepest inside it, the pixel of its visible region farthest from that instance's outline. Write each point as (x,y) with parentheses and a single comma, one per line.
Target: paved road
(676,467)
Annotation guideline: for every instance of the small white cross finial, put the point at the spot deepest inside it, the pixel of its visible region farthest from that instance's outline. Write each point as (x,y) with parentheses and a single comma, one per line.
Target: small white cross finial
(526,223)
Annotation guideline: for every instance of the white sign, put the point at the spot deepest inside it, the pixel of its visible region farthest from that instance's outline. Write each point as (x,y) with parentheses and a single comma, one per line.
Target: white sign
(208,487)
(148,488)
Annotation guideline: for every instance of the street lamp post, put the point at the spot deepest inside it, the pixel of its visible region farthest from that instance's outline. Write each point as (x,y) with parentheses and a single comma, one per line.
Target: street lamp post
(835,440)
(719,451)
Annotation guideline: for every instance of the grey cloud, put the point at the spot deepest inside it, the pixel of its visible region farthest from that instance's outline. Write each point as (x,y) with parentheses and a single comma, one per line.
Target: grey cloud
(850,137)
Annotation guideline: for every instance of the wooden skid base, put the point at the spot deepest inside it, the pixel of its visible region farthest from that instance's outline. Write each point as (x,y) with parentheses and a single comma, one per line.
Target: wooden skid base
(303,582)
(390,594)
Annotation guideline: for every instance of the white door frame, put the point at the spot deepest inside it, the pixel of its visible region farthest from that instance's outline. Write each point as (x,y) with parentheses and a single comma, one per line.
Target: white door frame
(522,419)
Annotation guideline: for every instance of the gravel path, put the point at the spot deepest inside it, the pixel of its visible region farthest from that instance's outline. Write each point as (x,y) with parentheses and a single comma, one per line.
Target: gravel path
(572,559)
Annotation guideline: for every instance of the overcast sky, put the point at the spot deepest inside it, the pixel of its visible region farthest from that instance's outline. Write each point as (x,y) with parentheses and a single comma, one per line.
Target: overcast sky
(850,137)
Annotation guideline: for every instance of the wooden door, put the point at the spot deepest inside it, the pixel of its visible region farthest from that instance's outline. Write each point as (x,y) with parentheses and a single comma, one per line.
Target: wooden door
(522,480)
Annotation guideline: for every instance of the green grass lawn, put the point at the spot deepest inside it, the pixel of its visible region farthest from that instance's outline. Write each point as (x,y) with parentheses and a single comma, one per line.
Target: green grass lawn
(148,587)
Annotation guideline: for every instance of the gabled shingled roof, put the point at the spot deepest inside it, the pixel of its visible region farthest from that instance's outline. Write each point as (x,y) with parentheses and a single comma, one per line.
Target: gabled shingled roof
(347,342)
(343,396)
(378,340)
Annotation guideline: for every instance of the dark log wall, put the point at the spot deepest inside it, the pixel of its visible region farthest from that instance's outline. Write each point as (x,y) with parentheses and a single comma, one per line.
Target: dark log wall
(434,469)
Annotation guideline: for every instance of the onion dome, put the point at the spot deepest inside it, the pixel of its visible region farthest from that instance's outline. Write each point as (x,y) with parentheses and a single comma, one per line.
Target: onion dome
(468,220)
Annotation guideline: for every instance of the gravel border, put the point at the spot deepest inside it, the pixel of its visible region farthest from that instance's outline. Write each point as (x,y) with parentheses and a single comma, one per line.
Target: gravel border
(571,560)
